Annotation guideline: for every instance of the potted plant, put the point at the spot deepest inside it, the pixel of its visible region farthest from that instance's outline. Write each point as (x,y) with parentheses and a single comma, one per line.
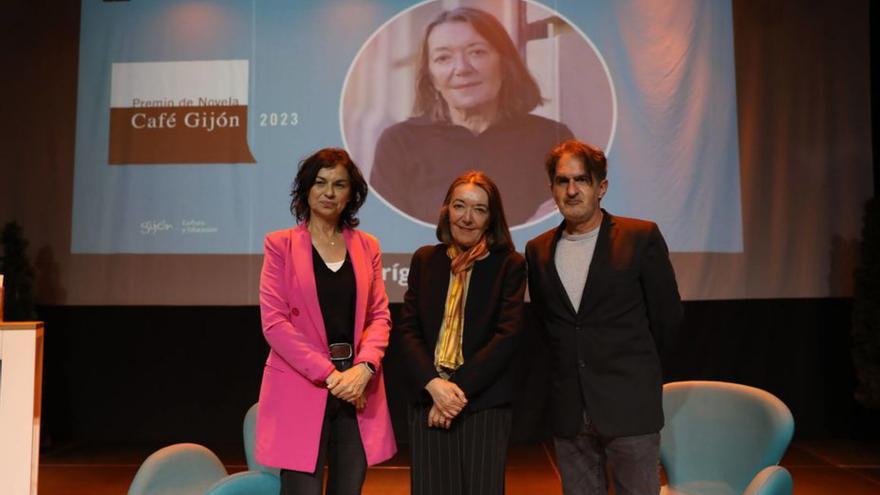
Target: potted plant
(18,275)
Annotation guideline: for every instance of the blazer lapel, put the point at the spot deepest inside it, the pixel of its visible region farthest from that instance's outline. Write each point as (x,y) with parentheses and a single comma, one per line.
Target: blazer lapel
(598,265)
(554,273)
(363,270)
(304,271)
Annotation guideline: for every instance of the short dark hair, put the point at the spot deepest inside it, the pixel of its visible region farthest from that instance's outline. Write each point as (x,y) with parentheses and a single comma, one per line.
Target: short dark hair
(594,159)
(308,173)
(497,232)
(519,92)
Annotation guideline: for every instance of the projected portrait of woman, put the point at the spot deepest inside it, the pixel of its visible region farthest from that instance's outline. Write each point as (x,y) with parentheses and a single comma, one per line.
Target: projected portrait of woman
(473,98)
(444,87)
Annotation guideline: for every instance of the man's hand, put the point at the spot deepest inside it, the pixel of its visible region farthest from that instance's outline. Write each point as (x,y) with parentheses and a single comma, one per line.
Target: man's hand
(448,398)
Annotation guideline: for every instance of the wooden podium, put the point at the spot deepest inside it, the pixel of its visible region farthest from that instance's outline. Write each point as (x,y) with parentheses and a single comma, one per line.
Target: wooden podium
(21,376)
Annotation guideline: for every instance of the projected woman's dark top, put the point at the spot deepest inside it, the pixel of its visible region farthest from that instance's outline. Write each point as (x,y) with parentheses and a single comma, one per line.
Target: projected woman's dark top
(417,159)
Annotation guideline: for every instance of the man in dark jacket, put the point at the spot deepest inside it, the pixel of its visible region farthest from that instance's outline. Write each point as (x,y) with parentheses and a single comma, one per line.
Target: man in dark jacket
(606,295)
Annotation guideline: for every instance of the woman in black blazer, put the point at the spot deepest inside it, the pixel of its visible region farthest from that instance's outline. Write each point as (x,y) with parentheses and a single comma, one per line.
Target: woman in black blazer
(461,317)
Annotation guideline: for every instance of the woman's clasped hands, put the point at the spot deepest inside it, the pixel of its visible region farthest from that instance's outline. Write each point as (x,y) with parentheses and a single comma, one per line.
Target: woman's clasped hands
(449,400)
(349,385)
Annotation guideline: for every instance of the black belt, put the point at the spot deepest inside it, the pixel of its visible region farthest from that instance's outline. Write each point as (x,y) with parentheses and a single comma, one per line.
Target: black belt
(341,351)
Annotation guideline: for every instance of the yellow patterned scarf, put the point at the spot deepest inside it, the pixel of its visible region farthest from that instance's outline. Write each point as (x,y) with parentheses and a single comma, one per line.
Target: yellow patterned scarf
(447,354)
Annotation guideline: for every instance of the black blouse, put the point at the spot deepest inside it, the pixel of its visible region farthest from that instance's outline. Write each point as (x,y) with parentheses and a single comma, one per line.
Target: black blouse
(336,295)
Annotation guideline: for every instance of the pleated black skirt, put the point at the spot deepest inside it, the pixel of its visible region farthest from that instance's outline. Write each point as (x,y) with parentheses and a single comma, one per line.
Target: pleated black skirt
(467,459)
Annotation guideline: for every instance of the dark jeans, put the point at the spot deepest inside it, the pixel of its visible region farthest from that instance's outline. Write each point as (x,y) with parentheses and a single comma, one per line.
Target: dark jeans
(341,448)
(634,463)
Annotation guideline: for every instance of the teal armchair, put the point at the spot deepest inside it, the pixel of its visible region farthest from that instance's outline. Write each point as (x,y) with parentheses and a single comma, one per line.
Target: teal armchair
(179,469)
(724,439)
(258,479)
(191,469)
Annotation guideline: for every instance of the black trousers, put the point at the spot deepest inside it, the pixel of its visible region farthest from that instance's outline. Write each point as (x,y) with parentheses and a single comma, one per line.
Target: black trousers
(467,459)
(341,449)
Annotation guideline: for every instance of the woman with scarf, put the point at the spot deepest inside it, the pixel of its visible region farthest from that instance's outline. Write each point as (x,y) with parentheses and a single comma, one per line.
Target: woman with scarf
(461,318)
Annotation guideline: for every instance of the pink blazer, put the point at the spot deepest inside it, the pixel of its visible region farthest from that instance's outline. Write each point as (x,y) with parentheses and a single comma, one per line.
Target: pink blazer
(293,395)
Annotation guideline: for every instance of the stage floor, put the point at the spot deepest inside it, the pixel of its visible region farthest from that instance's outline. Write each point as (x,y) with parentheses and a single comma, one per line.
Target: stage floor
(818,467)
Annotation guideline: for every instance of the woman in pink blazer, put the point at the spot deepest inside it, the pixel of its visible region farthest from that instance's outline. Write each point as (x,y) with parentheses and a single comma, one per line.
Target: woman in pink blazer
(325,316)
